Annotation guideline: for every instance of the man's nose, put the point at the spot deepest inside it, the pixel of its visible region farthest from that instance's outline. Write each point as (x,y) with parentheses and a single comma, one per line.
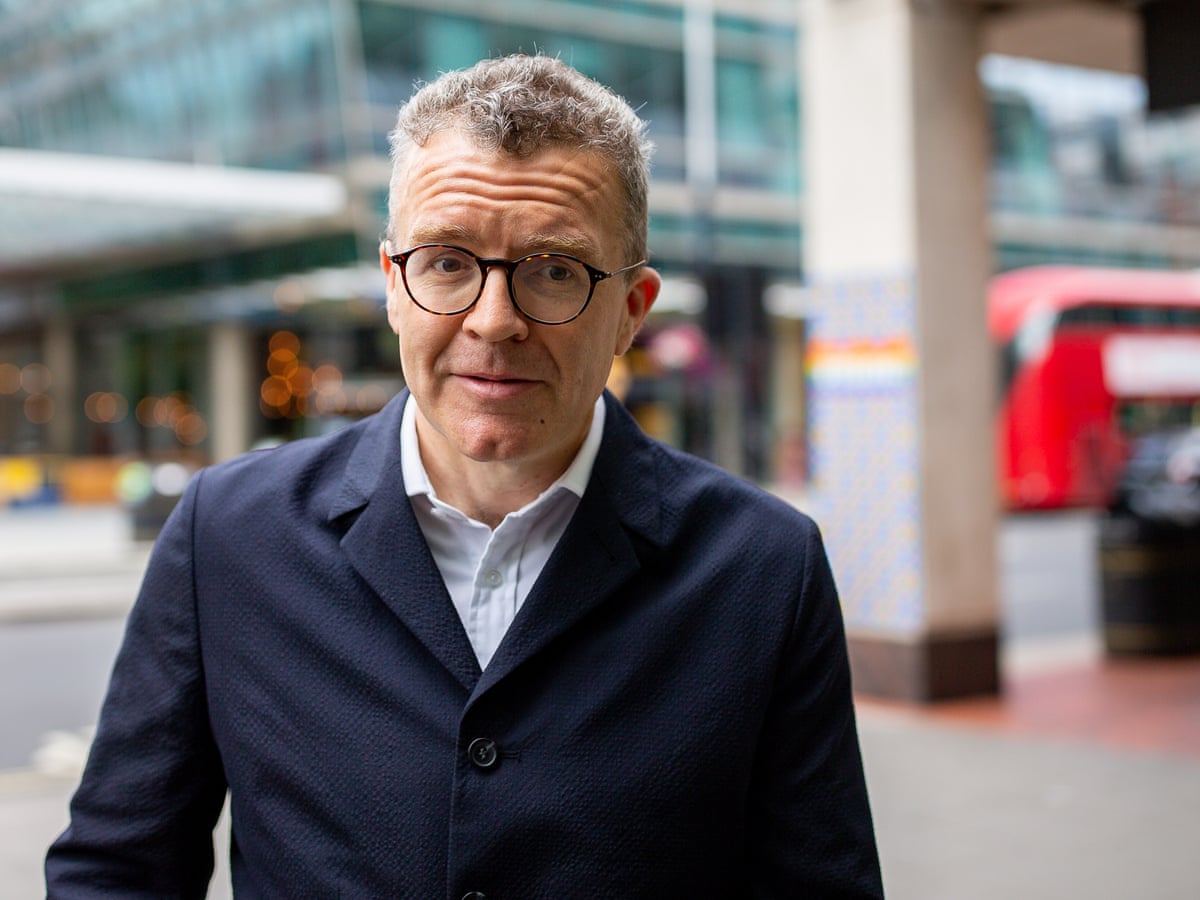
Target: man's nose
(494,317)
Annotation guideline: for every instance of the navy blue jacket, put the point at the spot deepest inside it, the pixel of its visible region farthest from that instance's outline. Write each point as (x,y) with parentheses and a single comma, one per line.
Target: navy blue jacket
(669,715)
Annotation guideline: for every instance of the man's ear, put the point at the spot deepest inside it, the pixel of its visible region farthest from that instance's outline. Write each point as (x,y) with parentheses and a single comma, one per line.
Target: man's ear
(391,273)
(639,297)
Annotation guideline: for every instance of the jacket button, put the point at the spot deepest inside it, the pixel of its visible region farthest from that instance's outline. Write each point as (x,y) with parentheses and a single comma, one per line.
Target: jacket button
(482,752)
(474,895)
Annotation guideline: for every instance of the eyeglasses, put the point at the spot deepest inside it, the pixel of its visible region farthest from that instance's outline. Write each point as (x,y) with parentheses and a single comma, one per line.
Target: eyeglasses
(548,288)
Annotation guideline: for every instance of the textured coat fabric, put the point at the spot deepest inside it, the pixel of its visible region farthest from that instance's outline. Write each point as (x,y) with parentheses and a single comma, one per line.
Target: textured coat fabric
(669,715)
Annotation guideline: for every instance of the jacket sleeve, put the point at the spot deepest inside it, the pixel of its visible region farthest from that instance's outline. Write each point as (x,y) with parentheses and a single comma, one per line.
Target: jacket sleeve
(810,831)
(143,816)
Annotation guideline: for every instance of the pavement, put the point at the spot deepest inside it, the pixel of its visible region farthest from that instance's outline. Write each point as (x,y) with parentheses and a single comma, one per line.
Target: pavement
(1082,780)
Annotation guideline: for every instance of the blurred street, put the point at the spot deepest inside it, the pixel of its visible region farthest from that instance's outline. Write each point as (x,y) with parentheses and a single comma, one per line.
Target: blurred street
(1083,780)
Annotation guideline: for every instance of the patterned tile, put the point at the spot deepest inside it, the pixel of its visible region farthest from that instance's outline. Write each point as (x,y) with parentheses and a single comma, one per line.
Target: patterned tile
(862,369)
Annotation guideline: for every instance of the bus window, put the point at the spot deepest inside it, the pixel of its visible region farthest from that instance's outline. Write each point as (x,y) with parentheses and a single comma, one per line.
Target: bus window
(1092,314)
(1139,417)
(1091,359)
(1182,317)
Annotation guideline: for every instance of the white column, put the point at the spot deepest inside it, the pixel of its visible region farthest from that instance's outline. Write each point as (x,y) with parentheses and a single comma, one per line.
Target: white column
(231,389)
(897,255)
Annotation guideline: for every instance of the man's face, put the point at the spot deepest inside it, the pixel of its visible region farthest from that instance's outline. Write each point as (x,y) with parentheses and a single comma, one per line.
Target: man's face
(490,385)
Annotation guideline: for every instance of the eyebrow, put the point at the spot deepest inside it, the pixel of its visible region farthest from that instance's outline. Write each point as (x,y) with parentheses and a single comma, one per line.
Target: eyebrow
(560,243)
(440,234)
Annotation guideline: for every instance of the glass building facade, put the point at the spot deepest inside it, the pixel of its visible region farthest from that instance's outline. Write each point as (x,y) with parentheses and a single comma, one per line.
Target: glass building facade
(1075,152)
(114,350)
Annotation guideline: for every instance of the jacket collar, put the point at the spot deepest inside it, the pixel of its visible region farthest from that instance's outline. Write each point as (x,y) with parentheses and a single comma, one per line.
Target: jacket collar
(619,521)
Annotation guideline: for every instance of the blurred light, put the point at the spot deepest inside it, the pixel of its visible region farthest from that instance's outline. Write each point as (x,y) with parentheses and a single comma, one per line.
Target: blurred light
(10,378)
(163,407)
(300,381)
(328,402)
(39,409)
(170,479)
(174,411)
(282,361)
(275,391)
(119,407)
(327,379)
(144,411)
(105,407)
(171,408)
(89,407)
(284,340)
(19,477)
(134,482)
(35,378)
(191,428)
(679,348)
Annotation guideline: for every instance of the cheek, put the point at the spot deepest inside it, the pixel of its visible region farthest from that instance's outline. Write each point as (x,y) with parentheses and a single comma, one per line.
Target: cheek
(410,349)
(592,364)
(393,311)
(423,339)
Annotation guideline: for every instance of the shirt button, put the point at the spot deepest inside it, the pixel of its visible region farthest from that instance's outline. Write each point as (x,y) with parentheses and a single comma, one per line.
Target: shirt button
(482,752)
(492,578)
(474,895)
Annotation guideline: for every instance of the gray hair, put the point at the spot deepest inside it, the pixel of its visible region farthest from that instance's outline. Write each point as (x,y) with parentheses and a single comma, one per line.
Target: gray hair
(519,104)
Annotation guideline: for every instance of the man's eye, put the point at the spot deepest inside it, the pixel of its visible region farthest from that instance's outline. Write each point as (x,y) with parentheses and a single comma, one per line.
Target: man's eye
(448,265)
(555,272)
(552,271)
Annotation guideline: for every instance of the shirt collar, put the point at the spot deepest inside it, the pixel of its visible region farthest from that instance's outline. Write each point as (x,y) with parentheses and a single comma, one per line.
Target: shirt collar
(574,479)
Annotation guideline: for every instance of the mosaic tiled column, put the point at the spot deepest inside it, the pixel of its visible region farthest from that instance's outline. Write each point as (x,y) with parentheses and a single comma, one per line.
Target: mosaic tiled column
(899,369)
(862,371)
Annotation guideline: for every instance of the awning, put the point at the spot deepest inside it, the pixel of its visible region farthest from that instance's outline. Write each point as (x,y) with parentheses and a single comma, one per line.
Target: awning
(56,207)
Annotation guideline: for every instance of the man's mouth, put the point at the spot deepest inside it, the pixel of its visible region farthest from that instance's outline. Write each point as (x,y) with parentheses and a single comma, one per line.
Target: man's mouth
(497,378)
(496,385)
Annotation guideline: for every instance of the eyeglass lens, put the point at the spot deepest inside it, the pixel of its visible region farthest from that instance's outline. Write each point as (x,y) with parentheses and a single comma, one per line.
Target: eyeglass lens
(547,286)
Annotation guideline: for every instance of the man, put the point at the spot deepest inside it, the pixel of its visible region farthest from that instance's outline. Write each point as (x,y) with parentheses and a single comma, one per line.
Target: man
(493,642)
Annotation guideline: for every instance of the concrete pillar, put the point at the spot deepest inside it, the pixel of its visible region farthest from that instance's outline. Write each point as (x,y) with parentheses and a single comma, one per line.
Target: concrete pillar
(59,353)
(901,372)
(788,404)
(231,388)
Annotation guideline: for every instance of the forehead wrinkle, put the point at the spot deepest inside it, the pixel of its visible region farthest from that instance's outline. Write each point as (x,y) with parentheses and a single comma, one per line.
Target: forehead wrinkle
(531,188)
(475,199)
(578,175)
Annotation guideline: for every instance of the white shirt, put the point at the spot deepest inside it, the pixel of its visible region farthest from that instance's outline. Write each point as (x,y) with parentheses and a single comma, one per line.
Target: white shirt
(490,573)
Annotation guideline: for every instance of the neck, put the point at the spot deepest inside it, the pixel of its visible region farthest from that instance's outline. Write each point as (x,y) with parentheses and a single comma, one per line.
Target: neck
(486,490)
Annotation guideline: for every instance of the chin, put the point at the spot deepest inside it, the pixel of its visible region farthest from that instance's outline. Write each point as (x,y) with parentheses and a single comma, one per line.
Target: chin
(484,444)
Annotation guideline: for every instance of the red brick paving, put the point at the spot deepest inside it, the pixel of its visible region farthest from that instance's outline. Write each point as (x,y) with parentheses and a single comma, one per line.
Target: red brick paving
(1145,704)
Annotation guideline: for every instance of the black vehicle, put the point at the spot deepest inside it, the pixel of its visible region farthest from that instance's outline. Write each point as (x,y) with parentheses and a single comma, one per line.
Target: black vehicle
(1149,550)
(1161,482)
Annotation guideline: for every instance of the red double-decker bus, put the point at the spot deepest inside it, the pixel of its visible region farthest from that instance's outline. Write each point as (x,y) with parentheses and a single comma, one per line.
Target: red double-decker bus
(1091,359)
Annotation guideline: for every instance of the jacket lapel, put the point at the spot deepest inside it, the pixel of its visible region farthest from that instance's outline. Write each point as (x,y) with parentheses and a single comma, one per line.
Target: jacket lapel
(618,521)
(385,545)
